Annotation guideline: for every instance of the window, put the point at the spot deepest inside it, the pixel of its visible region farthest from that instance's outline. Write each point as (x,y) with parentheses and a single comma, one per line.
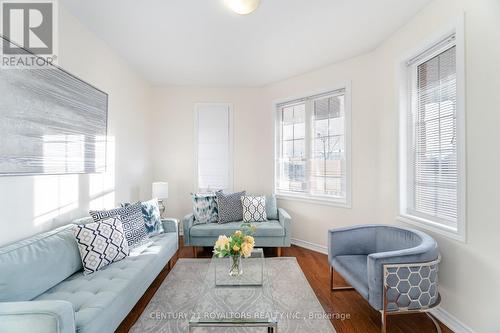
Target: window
(432,124)
(213,147)
(312,148)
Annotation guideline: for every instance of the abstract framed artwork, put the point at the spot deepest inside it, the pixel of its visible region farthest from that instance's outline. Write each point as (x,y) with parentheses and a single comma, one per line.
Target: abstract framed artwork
(51,122)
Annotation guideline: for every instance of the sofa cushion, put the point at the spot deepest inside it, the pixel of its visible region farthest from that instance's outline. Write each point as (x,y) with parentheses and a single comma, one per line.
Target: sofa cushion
(264,229)
(271,207)
(354,269)
(101,300)
(31,266)
(83,220)
(132,220)
(101,243)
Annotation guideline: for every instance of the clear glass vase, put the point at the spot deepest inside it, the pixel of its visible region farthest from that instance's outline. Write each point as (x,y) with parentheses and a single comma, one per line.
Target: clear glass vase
(235,267)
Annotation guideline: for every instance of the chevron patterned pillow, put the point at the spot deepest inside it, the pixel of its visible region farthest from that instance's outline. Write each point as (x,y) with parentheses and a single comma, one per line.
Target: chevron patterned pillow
(101,243)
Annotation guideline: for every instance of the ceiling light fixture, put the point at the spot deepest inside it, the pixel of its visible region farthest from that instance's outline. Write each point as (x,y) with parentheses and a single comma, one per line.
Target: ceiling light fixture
(242,7)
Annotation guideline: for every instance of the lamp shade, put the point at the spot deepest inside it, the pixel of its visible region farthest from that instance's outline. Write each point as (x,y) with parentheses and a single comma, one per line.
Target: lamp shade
(160,190)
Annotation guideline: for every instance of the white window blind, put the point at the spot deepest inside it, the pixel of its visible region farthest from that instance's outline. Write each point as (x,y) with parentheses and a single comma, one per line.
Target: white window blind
(213,135)
(311,147)
(292,176)
(328,167)
(432,138)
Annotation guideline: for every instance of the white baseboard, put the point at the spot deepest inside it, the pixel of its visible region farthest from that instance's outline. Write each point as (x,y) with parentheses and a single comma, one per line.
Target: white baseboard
(309,245)
(450,321)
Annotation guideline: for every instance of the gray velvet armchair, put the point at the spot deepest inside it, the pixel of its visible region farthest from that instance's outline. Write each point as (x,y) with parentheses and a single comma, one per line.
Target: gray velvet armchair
(394,269)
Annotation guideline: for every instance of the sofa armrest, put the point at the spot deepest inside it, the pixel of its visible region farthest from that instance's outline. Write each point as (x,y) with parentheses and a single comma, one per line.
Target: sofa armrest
(286,222)
(170,225)
(37,316)
(406,257)
(351,241)
(187,223)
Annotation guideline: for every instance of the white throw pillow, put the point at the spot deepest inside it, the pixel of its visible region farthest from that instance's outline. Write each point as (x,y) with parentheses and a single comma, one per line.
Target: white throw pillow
(101,243)
(254,208)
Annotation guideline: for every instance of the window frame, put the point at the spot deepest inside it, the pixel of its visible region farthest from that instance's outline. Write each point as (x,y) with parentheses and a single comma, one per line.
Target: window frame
(307,197)
(423,54)
(196,108)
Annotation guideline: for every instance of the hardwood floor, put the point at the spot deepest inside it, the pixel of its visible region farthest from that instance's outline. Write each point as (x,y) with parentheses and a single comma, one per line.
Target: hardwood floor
(362,317)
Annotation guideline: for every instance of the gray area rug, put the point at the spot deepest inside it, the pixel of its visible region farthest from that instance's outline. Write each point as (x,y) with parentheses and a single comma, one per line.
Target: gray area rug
(294,300)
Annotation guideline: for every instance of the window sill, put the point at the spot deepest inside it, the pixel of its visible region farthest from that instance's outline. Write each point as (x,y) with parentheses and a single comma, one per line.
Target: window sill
(432,226)
(314,200)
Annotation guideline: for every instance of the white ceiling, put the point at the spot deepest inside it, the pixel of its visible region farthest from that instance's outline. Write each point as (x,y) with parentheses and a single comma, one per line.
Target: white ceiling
(201,42)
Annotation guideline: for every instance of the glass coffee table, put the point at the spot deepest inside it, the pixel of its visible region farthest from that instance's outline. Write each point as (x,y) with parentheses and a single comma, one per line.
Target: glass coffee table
(243,301)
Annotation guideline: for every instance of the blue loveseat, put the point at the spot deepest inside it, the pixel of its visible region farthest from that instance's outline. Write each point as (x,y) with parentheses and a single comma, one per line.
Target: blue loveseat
(275,232)
(43,289)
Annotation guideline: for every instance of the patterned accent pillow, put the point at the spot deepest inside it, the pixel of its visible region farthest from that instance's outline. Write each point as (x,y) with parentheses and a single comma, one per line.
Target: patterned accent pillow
(271,206)
(151,214)
(229,205)
(101,243)
(205,208)
(254,209)
(132,221)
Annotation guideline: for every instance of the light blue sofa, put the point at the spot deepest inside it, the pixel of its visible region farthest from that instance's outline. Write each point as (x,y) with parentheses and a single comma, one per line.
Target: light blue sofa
(272,233)
(43,289)
(393,268)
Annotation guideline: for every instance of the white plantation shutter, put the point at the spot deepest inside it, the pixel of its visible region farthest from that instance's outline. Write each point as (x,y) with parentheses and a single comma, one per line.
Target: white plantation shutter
(432,139)
(213,147)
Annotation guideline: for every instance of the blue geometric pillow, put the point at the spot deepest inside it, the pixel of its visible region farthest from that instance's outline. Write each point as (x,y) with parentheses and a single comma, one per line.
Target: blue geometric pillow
(132,222)
(230,207)
(151,214)
(205,208)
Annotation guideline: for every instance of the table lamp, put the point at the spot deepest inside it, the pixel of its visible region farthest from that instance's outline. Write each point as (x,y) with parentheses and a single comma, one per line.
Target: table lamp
(160,191)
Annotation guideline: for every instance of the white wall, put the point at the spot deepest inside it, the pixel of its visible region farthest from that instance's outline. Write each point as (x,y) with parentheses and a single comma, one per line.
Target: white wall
(174,149)
(32,204)
(312,221)
(253,110)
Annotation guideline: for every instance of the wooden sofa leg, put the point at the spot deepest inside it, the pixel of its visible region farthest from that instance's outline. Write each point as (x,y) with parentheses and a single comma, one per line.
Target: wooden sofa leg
(195,252)
(278,251)
(331,278)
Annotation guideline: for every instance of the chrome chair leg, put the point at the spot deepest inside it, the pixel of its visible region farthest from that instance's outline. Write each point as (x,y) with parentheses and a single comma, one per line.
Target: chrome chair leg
(436,324)
(332,286)
(383,321)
